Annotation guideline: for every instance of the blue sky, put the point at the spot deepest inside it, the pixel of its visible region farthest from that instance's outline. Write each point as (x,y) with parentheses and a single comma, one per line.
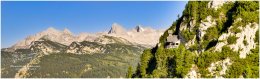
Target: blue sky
(21,19)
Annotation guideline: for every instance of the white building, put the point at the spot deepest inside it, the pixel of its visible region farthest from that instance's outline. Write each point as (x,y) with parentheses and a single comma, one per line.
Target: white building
(172,41)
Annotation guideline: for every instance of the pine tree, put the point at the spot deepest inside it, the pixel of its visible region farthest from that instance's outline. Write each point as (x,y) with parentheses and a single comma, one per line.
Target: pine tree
(130,72)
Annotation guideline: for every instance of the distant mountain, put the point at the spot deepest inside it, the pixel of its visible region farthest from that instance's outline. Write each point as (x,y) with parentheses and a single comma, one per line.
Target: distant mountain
(66,37)
(140,35)
(139,28)
(117,29)
(53,53)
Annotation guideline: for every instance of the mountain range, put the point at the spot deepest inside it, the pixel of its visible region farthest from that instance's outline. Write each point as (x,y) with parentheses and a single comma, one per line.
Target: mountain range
(54,53)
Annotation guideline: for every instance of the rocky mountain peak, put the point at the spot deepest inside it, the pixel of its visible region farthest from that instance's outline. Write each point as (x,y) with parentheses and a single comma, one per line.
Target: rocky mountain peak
(116,29)
(139,28)
(67,31)
(51,29)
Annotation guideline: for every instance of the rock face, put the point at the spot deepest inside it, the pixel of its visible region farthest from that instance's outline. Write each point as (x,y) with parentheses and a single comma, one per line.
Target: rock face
(246,35)
(139,28)
(219,68)
(141,35)
(216,3)
(207,24)
(116,29)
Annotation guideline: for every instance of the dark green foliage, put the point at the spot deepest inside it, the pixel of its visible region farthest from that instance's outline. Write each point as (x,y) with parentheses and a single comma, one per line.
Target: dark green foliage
(211,33)
(91,66)
(111,63)
(235,29)
(219,68)
(145,58)
(137,73)
(174,62)
(194,47)
(247,11)
(235,70)
(177,62)
(203,10)
(245,42)
(232,39)
(11,59)
(206,58)
(191,9)
(228,52)
(163,38)
(210,38)
(184,60)
(187,35)
(130,72)
(257,37)
(248,67)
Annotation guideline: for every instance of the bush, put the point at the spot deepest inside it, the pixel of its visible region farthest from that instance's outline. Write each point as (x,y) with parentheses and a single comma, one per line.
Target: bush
(257,37)
(235,29)
(145,59)
(232,39)
(187,35)
(130,72)
(211,33)
(245,42)
(247,10)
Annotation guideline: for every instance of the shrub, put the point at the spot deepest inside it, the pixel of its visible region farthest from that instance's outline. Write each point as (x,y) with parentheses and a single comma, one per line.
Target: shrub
(235,29)
(232,39)
(187,35)
(257,36)
(130,72)
(245,42)
(145,58)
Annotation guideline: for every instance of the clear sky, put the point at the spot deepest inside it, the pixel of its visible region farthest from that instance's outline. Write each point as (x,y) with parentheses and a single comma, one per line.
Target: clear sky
(21,19)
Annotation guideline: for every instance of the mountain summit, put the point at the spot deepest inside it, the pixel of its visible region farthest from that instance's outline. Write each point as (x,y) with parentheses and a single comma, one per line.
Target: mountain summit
(67,31)
(116,29)
(139,28)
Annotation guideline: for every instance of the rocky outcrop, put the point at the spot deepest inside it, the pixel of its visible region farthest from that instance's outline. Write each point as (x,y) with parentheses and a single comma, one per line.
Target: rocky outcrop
(139,28)
(219,68)
(194,72)
(204,25)
(82,48)
(216,3)
(46,46)
(117,29)
(247,34)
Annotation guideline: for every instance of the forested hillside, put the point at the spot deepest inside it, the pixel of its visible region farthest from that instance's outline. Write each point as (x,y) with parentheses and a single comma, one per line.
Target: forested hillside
(216,41)
(49,59)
